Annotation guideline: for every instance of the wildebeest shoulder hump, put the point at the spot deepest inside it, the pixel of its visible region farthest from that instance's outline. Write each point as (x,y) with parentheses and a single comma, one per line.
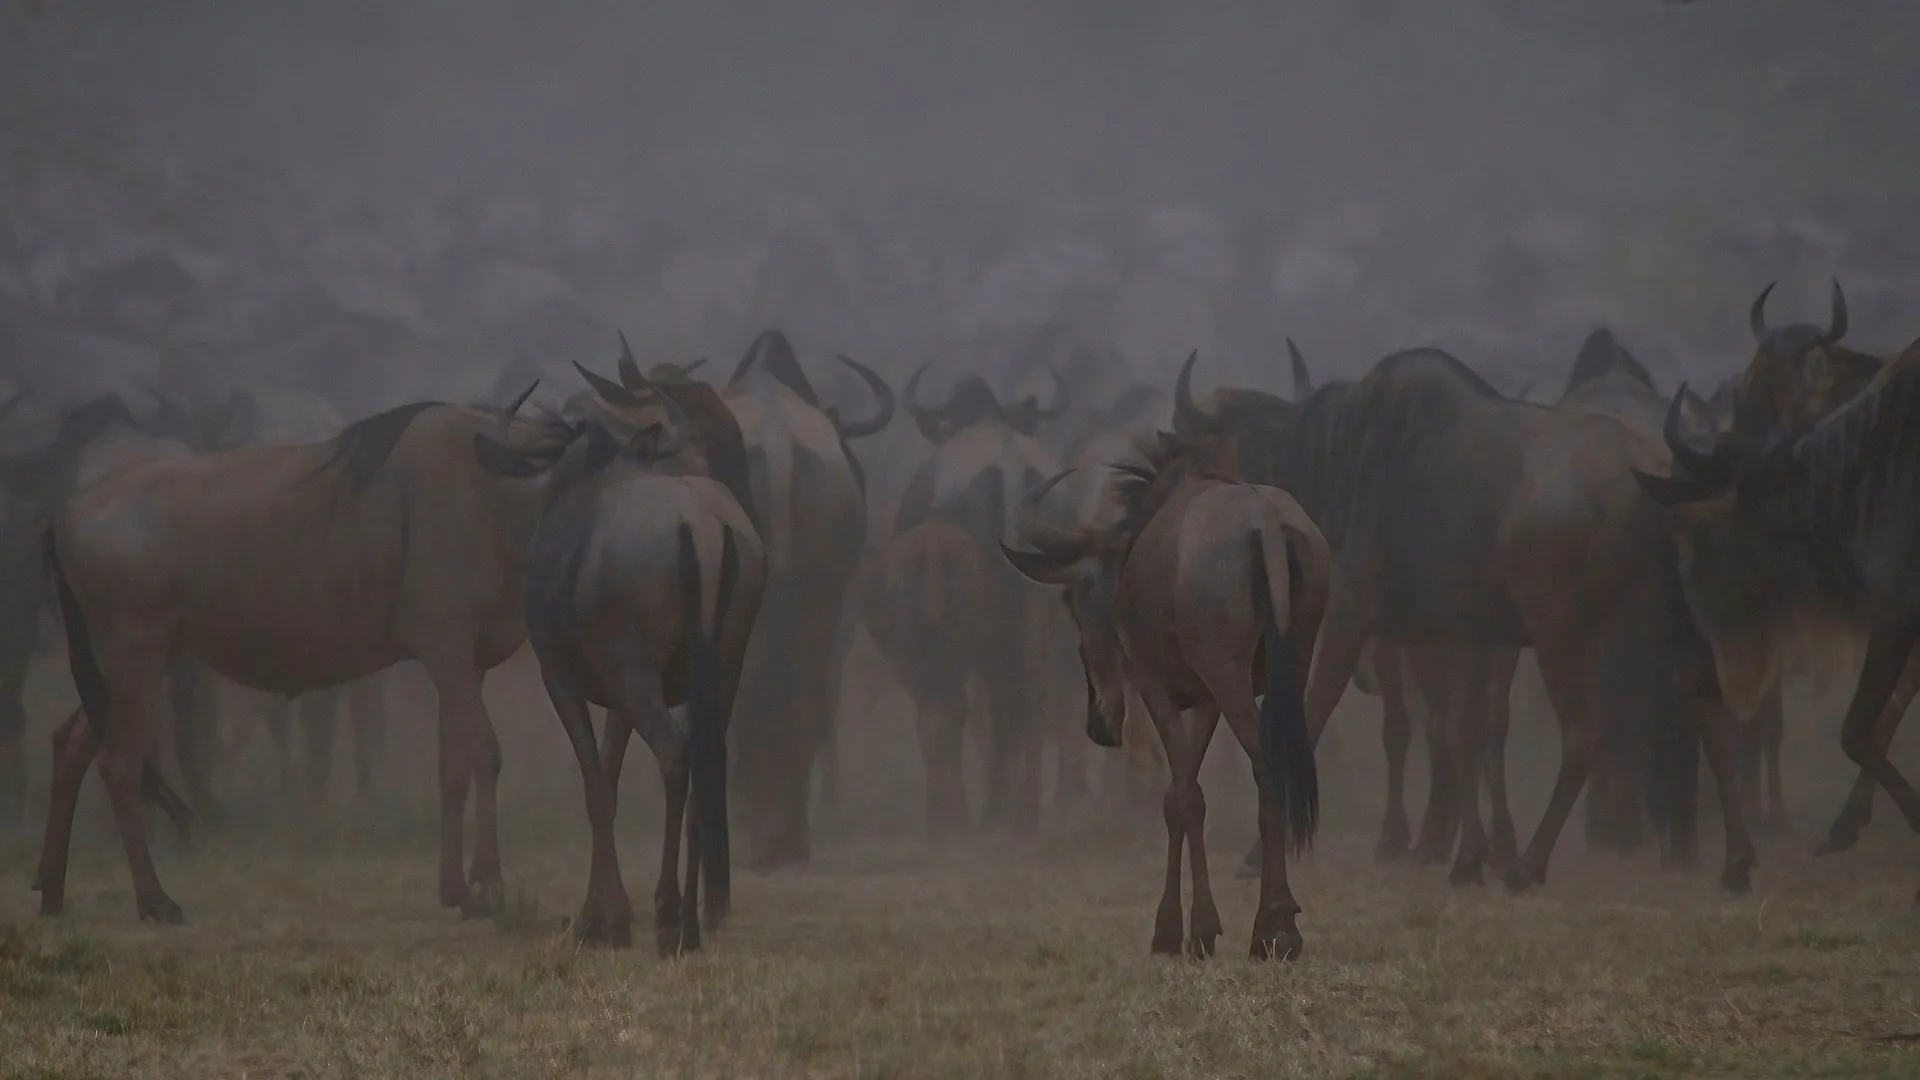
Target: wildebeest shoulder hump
(363,446)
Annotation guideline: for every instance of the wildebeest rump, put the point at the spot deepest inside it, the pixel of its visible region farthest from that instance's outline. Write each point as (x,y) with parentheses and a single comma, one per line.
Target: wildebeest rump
(289,569)
(1457,516)
(641,590)
(1206,592)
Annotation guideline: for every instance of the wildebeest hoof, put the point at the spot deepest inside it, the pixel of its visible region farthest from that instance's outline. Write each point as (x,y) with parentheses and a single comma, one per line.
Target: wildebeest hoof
(667,940)
(484,900)
(52,903)
(1393,846)
(1202,945)
(593,932)
(1166,936)
(162,910)
(1837,841)
(1737,878)
(1285,947)
(1465,874)
(1518,879)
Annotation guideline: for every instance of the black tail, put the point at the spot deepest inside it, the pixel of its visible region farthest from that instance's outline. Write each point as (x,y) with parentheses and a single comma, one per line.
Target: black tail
(1286,746)
(92,686)
(706,710)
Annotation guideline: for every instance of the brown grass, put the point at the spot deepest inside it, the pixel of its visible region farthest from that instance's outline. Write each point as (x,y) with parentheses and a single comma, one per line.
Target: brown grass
(317,951)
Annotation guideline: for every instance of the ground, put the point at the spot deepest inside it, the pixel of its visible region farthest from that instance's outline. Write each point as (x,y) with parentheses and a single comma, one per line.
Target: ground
(884,961)
(315,948)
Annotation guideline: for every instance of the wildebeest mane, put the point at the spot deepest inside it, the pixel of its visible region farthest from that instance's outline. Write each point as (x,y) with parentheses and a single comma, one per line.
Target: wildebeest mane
(363,446)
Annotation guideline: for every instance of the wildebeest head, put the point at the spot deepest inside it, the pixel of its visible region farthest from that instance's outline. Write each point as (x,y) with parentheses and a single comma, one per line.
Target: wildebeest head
(1798,374)
(1026,415)
(205,429)
(971,402)
(773,355)
(1082,564)
(565,455)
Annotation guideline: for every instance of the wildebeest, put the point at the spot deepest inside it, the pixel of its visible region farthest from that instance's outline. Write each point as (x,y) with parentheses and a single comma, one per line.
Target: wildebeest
(973,479)
(641,591)
(1458,517)
(810,506)
(1254,420)
(923,598)
(288,569)
(1205,593)
(1815,535)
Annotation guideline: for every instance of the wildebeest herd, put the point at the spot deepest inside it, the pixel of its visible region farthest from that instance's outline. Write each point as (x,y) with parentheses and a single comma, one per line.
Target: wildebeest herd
(695,559)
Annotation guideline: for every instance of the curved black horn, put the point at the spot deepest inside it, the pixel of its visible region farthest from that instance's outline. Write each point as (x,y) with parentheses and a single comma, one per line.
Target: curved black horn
(1186,415)
(1025,524)
(1709,469)
(1837,323)
(1040,567)
(628,367)
(609,391)
(1302,382)
(1757,314)
(929,421)
(506,418)
(883,413)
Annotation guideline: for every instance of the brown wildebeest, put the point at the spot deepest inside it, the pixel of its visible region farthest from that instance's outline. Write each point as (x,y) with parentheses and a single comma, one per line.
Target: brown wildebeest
(1254,420)
(1206,593)
(288,569)
(973,479)
(923,598)
(1814,536)
(810,508)
(641,591)
(1459,517)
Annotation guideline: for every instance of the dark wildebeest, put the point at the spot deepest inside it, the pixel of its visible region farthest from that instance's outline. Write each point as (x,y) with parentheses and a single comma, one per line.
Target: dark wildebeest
(1813,536)
(1256,420)
(641,588)
(1798,374)
(1206,592)
(923,598)
(973,479)
(810,507)
(1459,517)
(288,569)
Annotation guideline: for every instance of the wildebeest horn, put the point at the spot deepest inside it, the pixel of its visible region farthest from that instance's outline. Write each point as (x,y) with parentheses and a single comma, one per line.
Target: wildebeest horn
(1043,567)
(629,368)
(1302,382)
(929,421)
(1025,515)
(1186,415)
(609,391)
(1837,324)
(883,414)
(693,367)
(506,418)
(1711,470)
(1757,314)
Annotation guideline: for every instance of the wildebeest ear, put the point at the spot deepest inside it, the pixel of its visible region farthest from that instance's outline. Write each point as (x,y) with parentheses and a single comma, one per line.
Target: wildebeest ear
(1669,491)
(1039,566)
(497,460)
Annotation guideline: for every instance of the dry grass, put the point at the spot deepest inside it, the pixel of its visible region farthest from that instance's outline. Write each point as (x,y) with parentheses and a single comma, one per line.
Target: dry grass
(1026,961)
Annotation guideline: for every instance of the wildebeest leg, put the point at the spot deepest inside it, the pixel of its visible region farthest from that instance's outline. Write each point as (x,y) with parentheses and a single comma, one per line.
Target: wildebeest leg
(1758,760)
(606,918)
(1343,636)
(191,691)
(1858,810)
(367,715)
(1887,656)
(1440,821)
(1504,845)
(133,686)
(1184,759)
(13,734)
(1722,738)
(942,726)
(317,710)
(1396,736)
(276,716)
(1276,933)
(469,756)
(1454,683)
(73,749)
(1205,929)
(1566,669)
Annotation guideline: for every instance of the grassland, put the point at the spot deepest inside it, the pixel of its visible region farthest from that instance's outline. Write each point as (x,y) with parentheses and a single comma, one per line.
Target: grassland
(315,950)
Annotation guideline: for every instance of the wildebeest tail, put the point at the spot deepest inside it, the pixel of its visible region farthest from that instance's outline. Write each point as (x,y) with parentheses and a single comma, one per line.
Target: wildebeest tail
(706,707)
(1286,746)
(91,683)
